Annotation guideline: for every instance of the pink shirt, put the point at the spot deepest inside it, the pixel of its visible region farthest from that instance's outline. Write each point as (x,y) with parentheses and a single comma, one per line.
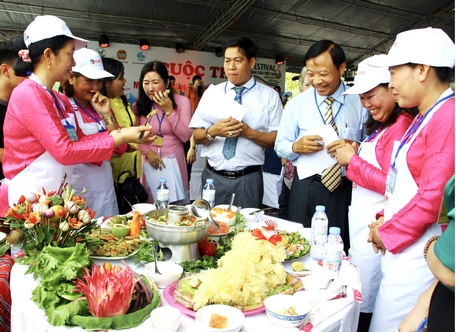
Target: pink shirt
(32,126)
(431,163)
(367,175)
(175,132)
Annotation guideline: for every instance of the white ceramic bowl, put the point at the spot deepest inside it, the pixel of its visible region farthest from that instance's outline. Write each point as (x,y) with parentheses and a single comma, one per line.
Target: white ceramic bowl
(171,272)
(317,283)
(143,208)
(223,217)
(249,219)
(277,303)
(165,319)
(235,318)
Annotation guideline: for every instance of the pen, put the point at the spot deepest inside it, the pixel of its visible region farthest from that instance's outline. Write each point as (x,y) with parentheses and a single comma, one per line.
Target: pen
(148,118)
(320,142)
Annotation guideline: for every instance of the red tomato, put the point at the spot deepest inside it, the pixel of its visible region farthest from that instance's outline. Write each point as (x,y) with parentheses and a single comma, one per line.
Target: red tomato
(206,248)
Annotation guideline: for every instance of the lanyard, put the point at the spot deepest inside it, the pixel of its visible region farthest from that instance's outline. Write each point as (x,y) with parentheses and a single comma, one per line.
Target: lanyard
(56,100)
(59,109)
(371,136)
(415,125)
(244,92)
(319,111)
(160,121)
(92,115)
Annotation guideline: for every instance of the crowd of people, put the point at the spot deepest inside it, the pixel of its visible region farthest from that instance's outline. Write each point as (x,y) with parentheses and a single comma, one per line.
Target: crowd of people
(392,159)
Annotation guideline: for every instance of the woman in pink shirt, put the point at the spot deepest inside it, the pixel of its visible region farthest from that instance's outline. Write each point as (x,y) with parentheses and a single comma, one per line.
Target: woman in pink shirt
(41,139)
(367,169)
(420,63)
(170,123)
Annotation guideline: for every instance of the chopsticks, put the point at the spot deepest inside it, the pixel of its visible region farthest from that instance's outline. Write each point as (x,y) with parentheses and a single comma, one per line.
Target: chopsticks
(148,119)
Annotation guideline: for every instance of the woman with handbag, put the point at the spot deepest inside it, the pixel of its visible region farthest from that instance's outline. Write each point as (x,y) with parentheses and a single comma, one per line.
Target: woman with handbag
(126,168)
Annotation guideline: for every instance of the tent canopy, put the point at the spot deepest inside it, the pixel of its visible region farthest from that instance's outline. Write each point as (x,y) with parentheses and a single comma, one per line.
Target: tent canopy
(287,27)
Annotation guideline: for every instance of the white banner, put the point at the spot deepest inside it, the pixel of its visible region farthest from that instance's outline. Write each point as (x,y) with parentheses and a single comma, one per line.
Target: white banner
(183,66)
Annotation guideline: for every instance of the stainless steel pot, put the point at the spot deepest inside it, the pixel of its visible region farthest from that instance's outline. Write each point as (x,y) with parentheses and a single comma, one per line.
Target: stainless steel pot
(175,235)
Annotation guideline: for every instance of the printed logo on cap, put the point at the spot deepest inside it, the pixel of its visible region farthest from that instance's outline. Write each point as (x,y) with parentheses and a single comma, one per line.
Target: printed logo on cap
(95,61)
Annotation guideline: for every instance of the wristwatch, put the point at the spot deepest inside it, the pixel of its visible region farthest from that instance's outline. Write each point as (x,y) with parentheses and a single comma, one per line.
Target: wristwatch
(209,137)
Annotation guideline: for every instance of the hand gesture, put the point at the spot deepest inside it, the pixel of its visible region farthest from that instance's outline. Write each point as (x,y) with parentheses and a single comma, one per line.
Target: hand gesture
(101,104)
(155,160)
(308,144)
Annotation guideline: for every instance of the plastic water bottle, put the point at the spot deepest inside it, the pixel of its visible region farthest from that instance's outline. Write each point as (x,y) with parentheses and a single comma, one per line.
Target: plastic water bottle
(162,194)
(319,232)
(209,192)
(334,248)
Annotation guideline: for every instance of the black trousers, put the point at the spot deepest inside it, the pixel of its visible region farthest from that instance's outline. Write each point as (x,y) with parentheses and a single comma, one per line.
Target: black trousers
(307,193)
(441,310)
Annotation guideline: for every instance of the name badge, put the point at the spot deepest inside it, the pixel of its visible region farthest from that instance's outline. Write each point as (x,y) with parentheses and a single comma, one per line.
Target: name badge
(159,140)
(391,179)
(71,130)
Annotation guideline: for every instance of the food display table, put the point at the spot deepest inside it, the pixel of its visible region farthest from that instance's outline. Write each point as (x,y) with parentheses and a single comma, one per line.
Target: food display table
(340,316)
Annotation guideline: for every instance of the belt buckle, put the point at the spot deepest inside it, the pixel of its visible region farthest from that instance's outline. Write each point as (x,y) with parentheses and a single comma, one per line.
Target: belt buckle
(230,174)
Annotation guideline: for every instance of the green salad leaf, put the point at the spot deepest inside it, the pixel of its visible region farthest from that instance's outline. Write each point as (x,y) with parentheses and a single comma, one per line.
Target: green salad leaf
(57,267)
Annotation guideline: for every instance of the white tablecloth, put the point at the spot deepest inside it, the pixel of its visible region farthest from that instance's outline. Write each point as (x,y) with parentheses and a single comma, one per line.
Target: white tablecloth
(27,317)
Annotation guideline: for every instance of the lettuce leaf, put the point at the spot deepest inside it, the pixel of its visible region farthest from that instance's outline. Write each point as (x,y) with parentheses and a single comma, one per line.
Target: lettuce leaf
(57,269)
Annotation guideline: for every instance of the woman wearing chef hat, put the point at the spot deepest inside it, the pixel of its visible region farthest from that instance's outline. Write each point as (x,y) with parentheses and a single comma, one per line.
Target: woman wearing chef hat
(368,168)
(82,86)
(420,63)
(41,139)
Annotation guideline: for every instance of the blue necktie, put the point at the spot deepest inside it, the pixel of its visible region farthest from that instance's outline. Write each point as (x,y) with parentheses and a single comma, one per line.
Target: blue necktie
(229,148)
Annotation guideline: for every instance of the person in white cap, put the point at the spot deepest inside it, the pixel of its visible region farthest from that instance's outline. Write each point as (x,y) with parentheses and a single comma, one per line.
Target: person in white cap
(41,140)
(367,169)
(80,89)
(420,63)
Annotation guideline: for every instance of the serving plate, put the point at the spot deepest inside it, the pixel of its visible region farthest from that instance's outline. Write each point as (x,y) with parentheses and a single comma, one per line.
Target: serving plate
(168,294)
(115,258)
(2,237)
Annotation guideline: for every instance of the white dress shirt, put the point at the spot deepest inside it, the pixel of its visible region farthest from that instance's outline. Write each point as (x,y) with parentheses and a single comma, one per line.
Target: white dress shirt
(307,110)
(264,111)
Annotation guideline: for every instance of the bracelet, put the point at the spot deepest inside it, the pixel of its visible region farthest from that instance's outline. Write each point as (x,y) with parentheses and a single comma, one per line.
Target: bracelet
(109,121)
(426,246)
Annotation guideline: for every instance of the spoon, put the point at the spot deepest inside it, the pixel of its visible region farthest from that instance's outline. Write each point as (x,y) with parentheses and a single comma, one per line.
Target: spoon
(202,209)
(231,202)
(154,251)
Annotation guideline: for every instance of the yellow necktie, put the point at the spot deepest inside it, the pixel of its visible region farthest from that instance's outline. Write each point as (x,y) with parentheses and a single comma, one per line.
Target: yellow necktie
(331,177)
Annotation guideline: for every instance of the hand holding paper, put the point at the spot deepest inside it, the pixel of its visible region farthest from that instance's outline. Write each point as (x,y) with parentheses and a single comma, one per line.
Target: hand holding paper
(216,105)
(313,163)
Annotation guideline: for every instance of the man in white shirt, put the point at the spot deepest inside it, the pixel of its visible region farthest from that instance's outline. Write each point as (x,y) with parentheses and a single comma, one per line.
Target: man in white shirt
(238,170)
(325,62)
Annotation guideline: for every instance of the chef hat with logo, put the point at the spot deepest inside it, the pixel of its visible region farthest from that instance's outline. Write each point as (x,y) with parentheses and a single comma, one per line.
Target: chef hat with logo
(428,46)
(48,26)
(89,64)
(368,77)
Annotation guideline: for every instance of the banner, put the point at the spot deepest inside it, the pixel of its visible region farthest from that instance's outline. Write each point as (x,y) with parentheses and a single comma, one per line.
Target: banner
(183,66)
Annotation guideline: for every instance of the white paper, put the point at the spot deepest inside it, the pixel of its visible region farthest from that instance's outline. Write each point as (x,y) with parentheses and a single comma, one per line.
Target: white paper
(216,105)
(312,163)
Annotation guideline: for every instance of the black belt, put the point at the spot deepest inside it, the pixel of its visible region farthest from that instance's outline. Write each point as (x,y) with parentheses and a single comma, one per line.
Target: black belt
(235,174)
